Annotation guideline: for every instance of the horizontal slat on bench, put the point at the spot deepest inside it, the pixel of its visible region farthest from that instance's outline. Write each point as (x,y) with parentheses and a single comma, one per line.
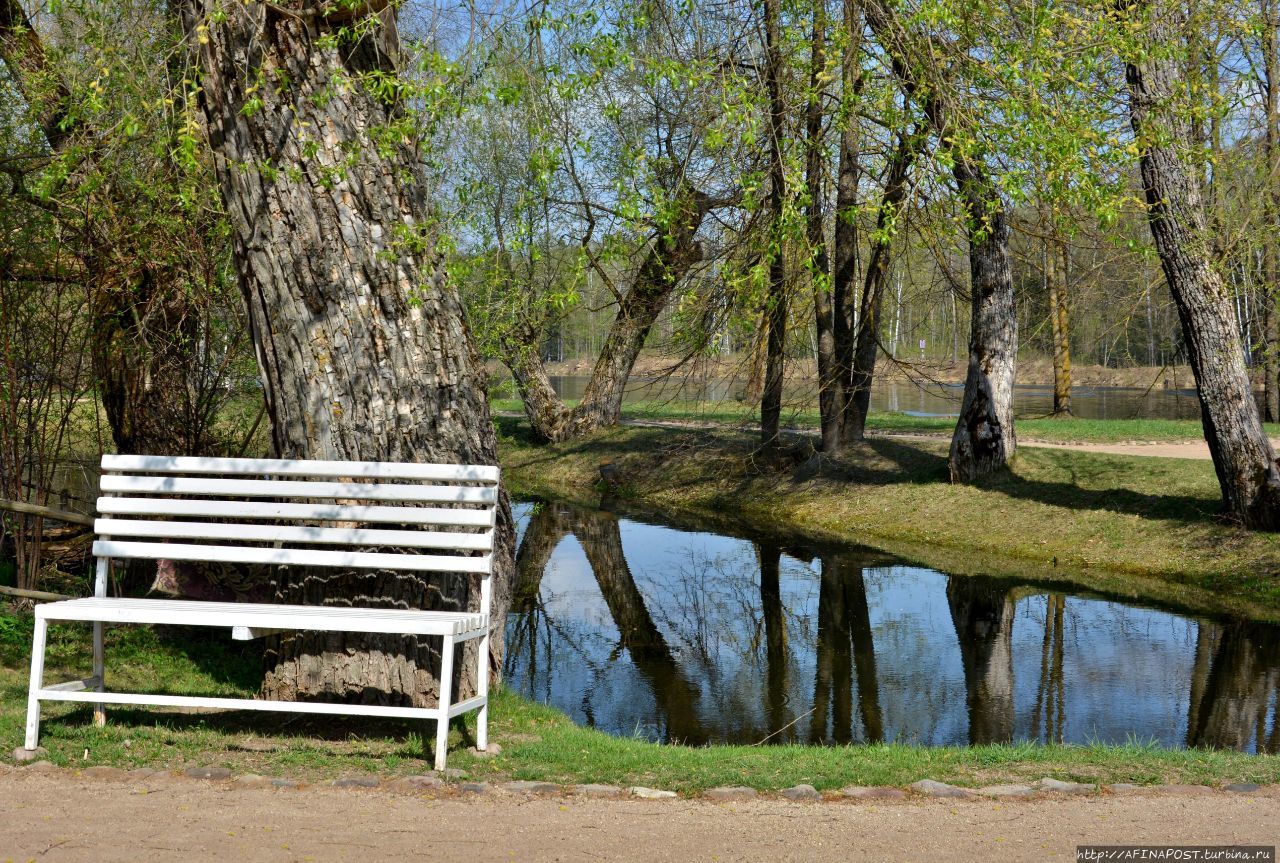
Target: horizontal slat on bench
(300,511)
(275,533)
(394,621)
(240,704)
(288,467)
(294,556)
(290,488)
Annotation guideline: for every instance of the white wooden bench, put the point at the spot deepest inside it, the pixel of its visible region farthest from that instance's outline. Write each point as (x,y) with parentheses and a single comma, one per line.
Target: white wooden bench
(271,511)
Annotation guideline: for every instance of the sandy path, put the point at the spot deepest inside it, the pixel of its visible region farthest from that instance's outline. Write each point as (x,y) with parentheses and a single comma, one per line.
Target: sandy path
(64,818)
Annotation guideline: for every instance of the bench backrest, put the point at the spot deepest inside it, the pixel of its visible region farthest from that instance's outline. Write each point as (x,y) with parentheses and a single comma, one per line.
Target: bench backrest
(417,517)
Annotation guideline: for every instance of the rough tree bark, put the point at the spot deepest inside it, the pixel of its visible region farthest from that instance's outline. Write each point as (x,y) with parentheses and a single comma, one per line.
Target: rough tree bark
(984,439)
(362,342)
(1242,454)
(867,343)
(776,295)
(674,252)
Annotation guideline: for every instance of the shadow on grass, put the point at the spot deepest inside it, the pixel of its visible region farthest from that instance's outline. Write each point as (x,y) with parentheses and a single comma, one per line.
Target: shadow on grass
(901,462)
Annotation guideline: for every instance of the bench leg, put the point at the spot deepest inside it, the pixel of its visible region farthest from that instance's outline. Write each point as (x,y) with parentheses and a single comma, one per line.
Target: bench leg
(99,710)
(446,685)
(482,688)
(37,681)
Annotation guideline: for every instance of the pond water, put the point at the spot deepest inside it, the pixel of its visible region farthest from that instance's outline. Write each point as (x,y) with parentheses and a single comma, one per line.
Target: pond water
(640,628)
(925,399)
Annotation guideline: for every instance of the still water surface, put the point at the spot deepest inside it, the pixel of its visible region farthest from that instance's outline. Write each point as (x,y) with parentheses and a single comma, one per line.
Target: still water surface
(640,628)
(924,400)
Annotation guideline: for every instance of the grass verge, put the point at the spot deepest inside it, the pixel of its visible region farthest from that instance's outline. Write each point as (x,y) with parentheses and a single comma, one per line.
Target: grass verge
(1046,429)
(1133,527)
(539,743)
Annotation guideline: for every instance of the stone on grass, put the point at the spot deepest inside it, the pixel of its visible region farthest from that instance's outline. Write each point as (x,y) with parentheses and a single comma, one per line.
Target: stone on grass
(873,792)
(493,751)
(454,773)
(1007,791)
(252,780)
(474,787)
(356,782)
(1123,787)
(217,773)
(285,783)
(728,793)
(139,773)
(1057,785)
(41,766)
(521,786)
(1241,787)
(651,793)
(801,792)
(930,788)
(102,771)
(594,790)
(24,754)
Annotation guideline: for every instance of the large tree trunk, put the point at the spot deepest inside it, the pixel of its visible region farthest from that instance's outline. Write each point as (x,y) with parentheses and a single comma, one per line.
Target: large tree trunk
(363,346)
(776,295)
(675,251)
(867,346)
(984,439)
(1242,454)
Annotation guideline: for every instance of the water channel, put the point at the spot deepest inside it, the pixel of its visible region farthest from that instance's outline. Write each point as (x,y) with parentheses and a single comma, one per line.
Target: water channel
(926,399)
(642,628)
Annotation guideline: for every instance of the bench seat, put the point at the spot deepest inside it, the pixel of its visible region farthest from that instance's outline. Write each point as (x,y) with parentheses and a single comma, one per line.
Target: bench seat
(255,616)
(419,520)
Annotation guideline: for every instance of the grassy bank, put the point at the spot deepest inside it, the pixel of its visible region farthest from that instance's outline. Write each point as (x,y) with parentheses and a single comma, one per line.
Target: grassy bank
(537,742)
(1047,429)
(1127,526)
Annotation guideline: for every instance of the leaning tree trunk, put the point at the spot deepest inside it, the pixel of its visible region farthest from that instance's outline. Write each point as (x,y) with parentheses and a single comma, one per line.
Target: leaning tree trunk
(867,344)
(1242,455)
(675,251)
(362,342)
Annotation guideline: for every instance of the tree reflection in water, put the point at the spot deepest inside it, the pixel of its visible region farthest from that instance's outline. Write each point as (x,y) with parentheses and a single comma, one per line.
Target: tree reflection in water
(703,637)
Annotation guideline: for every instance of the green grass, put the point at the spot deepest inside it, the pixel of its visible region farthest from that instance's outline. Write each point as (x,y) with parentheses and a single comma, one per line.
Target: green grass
(539,743)
(1047,429)
(1130,526)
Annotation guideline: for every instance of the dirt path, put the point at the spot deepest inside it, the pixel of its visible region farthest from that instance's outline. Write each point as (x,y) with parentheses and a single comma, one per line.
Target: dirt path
(57,816)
